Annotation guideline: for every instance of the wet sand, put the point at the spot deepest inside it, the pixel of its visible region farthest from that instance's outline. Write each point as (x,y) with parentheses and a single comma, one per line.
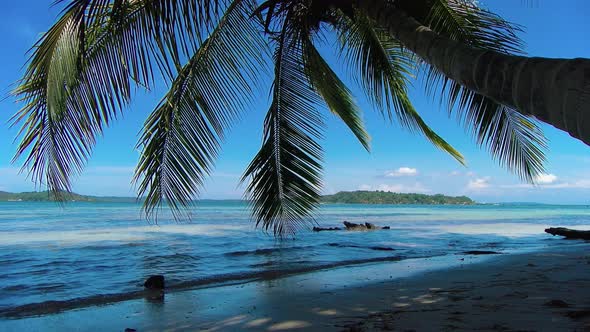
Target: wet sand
(540,291)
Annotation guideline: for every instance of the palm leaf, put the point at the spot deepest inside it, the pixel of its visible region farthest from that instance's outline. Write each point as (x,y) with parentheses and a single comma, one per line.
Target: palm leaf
(334,92)
(83,70)
(515,141)
(383,68)
(182,136)
(285,175)
(59,141)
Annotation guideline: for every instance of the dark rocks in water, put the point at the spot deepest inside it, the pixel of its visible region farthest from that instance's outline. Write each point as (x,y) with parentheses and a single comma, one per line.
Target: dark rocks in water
(321,229)
(350,226)
(481,252)
(130,330)
(568,233)
(154,282)
(370,226)
(557,304)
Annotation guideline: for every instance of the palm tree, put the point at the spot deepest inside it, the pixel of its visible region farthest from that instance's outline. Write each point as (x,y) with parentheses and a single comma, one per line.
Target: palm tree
(213,54)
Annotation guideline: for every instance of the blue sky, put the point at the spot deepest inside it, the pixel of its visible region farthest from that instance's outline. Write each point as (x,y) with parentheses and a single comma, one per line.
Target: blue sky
(399,161)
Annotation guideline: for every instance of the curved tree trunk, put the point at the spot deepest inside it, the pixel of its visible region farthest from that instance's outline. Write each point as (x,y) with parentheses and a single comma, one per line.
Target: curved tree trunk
(555,91)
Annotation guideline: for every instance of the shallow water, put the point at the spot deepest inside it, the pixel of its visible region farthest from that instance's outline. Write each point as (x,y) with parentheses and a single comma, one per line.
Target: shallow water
(90,253)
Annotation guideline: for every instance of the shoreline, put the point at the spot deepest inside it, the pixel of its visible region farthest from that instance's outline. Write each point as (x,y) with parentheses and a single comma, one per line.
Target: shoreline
(367,297)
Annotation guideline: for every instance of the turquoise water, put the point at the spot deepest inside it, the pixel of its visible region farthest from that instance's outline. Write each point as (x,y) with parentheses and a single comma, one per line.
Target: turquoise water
(93,253)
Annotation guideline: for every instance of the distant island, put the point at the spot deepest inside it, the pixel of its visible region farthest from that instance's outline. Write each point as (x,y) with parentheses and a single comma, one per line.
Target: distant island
(385,197)
(46,196)
(343,197)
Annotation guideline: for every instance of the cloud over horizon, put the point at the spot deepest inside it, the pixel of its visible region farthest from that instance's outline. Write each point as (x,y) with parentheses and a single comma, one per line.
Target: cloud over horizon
(545,178)
(402,171)
(478,183)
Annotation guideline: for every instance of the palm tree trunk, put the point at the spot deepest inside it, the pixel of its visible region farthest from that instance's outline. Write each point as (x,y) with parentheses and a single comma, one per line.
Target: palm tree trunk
(555,91)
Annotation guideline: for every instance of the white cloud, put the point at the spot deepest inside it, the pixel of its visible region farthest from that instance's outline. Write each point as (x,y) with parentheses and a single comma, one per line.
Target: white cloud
(545,178)
(478,183)
(402,171)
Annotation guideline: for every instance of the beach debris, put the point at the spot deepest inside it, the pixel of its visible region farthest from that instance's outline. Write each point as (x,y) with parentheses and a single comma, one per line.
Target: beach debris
(154,282)
(350,226)
(557,304)
(481,252)
(568,233)
(321,229)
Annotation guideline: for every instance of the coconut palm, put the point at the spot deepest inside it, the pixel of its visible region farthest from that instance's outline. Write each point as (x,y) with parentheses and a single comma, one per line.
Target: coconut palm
(214,54)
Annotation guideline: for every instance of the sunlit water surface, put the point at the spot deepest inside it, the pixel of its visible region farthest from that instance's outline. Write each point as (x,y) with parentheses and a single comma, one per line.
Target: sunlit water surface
(51,253)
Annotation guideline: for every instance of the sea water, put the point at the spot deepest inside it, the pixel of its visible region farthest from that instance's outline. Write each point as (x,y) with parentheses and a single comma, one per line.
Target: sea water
(92,253)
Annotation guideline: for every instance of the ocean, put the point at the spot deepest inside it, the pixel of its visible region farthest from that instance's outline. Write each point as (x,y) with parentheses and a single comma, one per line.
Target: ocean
(85,254)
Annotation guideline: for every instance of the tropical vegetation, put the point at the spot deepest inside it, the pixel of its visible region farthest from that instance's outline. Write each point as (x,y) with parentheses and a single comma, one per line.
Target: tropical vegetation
(213,55)
(48,196)
(386,197)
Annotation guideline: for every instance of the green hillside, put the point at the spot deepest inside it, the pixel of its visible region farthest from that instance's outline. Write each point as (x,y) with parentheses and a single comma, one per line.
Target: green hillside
(344,197)
(46,196)
(383,197)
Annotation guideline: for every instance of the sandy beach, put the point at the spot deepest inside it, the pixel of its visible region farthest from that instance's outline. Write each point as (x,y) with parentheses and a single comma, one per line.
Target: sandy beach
(538,291)
(543,291)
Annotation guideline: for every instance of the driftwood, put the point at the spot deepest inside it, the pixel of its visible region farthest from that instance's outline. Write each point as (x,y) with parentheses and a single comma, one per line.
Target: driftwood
(568,233)
(321,229)
(351,227)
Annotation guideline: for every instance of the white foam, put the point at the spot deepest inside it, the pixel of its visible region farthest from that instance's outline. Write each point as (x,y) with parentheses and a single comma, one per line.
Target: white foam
(128,234)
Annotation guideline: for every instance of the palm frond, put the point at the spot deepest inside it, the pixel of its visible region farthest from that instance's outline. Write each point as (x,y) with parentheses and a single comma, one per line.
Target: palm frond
(285,175)
(182,136)
(514,140)
(59,141)
(334,92)
(383,69)
(467,22)
(83,71)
